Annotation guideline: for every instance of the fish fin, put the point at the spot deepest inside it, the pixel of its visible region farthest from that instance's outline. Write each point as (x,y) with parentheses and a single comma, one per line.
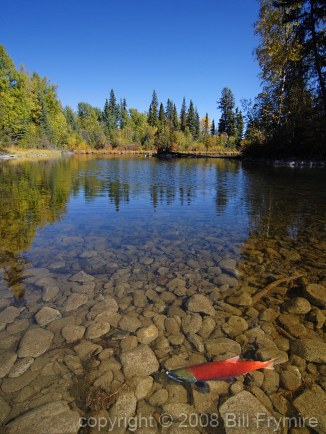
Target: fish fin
(270,365)
(202,386)
(232,360)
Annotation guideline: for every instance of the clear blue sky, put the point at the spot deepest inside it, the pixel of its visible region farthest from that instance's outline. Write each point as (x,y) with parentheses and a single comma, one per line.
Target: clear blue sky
(190,48)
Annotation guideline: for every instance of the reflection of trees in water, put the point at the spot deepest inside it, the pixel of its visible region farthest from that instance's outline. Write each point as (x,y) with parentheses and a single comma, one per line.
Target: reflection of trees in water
(282,202)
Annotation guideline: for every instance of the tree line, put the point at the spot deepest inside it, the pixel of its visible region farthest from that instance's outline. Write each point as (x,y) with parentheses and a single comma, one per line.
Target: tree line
(31,115)
(288,118)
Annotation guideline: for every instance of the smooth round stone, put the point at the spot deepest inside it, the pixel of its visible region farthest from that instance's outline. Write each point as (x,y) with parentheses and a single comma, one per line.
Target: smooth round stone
(4,409)
(35,342)
(75,301)
(159,397)
(235,326)
(142,386)
(81,277)
(129,323)
(176,339)
(146,335)
(20,367)
(18,326)
(96,330)
(201,304)
(291,378)
(6,362)
(72,333)
(139,361)
(50,292)
(8,315)
(47,315)
(315,293)
(298,305)
(171,325)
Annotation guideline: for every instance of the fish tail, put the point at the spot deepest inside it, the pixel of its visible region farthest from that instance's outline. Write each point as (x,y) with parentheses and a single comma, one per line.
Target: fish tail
(270,364)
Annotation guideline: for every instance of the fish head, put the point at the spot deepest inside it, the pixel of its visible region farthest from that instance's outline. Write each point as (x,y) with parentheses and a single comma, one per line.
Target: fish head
(182,375)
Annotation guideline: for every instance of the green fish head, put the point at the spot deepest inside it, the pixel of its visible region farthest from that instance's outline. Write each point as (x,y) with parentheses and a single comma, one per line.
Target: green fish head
(181,375)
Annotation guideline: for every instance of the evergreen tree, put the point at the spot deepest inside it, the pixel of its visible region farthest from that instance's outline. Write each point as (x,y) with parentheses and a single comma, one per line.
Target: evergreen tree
(111,113)
(183,116)
(123,114)
(213,131)
(226,105)
(197,125)
(239,124)
(153,111)
(161,116)
(175,118)
(191,119)
(169,110)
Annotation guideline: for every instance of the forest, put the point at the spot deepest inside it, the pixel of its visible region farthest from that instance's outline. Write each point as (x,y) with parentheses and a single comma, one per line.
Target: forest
(286,119)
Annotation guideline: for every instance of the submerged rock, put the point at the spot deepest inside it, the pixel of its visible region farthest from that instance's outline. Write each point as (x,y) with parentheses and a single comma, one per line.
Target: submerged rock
(51,418)
(245,414)
(35,342)
(139,361)
(47,315)
(311,405)
(200,303)
(81,277)
(316,294)
(313,350)
(8,315)
(76,300)
(4,409)
(6,362)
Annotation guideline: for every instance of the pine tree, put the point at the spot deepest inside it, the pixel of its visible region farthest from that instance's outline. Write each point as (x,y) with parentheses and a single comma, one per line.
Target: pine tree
(161,116)
(239,124)
(197,125)
(169,110)
(153,111)
(183,116)
(110,113)
(175,118)
(123,114)
(191,120)
(226,105)
(213,131)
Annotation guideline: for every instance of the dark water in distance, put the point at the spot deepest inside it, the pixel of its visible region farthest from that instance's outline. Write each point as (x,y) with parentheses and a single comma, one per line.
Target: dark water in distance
(151,235)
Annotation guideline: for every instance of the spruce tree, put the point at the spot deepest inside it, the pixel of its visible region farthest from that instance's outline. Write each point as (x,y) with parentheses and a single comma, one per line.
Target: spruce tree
(161,116)
(175,118)
(197,125)
(183,116)
(191,120)
(226,105)
(153,111)
(213,131)
(239,124)
(123,114)
(169,110)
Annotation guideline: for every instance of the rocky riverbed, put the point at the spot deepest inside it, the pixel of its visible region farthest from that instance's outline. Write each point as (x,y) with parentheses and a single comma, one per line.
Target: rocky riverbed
(93,330)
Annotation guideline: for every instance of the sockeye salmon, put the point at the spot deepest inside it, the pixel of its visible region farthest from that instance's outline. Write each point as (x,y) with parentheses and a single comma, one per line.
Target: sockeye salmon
(214,371)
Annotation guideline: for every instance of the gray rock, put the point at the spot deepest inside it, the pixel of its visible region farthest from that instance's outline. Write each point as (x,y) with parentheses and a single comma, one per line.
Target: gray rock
(201,304)
(313,350)
(316,294)
(223,348)
(87,349)
(50,292)
(146,335)
(81,277)
(97,329)
(20,367)
(139,361)
(311,405)
(47,315)
(4,409)
(75,301)
(6,362)
(72,333)
(129,323)
(245,408)
(35,342)
(51,418)
(8,315)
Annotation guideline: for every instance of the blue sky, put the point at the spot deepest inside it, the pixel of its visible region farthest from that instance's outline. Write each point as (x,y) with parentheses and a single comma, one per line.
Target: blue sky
(190,48)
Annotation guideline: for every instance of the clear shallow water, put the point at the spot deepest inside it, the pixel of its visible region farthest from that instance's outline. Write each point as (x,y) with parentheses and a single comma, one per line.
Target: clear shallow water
(134,225)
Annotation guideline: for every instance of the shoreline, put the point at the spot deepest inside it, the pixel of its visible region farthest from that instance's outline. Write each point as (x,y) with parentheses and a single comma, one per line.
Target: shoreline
(37,154)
